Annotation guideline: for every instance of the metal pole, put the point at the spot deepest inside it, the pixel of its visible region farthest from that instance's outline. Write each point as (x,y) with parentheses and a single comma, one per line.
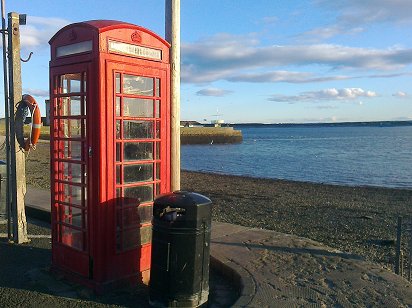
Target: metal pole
(172,30)
(18,159)
(7,118)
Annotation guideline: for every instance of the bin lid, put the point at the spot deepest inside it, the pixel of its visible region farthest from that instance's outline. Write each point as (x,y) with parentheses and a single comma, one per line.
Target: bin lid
(182,199)
(182,209)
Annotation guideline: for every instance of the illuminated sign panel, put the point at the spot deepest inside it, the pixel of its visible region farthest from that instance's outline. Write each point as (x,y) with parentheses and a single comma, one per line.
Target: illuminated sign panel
(134,50)
(74,49)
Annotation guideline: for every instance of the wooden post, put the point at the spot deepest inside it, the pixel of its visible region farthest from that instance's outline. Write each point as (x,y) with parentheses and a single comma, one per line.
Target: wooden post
(17,157)
(172,27)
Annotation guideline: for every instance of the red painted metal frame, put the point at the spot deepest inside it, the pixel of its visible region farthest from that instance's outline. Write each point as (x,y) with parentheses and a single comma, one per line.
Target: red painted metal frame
(99,264)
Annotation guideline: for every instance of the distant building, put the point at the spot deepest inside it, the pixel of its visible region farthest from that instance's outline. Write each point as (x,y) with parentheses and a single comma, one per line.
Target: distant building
(218,123)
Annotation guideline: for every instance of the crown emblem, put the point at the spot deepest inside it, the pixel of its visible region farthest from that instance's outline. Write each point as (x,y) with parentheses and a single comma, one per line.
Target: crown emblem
(136,37)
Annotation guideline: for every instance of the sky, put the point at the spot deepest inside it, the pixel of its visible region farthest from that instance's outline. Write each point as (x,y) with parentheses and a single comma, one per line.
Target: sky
(285,61)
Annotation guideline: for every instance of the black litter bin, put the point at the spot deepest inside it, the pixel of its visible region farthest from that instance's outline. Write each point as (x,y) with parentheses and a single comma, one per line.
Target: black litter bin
(179,274)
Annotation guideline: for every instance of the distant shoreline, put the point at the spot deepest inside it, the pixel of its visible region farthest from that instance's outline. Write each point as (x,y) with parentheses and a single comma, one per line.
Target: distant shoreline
(334,124)
(324,124)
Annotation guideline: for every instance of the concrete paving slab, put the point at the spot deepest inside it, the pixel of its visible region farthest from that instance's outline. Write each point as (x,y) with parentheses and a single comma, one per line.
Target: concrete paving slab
(289,271)
(273,269)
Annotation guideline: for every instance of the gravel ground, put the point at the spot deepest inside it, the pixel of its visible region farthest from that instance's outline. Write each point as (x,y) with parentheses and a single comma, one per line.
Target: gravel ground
(359,220)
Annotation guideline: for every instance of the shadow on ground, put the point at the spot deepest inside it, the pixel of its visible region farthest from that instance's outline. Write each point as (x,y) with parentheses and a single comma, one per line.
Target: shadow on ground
(26,280)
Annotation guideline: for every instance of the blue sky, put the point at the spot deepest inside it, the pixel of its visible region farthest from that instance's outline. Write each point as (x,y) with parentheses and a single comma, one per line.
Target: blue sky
(259,60)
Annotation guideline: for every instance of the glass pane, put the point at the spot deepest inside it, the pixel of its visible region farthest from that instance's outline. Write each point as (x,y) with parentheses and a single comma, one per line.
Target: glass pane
(72,172)
(118,151)
(145,213)
(71,128)
(137,85)
(118,127)
(118,89)
(137,107)
(70,83)
(72,237)
(133,216)
(157,189)
(157,107)
(138,151)
(137,130)
(157,171)
(138,173)
(127,218)
(157,85)
(118,174)
(135,237)
(72,194)
(142,193)
(125,202)
(72,150)
(118,106)
(71,106)
(130,239)
(73,216)
(145,235)
(71,49)
(157,130)
(84,82)
(157,150)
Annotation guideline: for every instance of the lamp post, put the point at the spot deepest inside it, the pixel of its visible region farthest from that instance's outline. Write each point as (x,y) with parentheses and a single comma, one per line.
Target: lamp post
(172,30)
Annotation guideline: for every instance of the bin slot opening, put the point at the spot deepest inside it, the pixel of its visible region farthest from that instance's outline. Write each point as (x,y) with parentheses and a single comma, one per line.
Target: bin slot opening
(172,213)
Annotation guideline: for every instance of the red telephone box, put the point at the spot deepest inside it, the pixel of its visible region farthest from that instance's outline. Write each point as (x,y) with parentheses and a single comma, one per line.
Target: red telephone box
(109,87)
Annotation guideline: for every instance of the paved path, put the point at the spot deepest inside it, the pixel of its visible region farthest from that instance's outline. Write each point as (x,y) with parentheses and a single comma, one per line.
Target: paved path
(279,270)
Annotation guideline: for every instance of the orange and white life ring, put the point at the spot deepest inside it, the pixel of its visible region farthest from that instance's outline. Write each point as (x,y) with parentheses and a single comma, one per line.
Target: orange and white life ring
(28,102)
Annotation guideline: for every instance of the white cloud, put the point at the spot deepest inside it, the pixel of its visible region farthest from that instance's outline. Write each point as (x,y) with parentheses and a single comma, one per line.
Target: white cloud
(37,92)
(400,94)
(332,94)
(326,107)
(236,58)
(213,92)
(268,20)
(39,30)
(354,15)
(283,76)
(326,32)
(368,11)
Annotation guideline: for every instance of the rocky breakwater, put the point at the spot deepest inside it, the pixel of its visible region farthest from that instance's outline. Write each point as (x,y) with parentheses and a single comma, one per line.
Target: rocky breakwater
(210,135)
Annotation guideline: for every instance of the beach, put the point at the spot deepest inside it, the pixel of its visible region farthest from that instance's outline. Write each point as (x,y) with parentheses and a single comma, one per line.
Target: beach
(358,220)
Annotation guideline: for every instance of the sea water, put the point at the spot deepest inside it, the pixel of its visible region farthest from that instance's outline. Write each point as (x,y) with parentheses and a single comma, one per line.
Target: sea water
(344,155)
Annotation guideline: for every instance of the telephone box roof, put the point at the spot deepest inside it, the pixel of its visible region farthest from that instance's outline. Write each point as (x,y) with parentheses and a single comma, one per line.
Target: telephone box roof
(101,26)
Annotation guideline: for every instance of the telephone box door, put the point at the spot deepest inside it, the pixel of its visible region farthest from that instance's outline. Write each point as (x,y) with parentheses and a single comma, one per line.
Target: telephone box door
(70,167)
(138,140)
